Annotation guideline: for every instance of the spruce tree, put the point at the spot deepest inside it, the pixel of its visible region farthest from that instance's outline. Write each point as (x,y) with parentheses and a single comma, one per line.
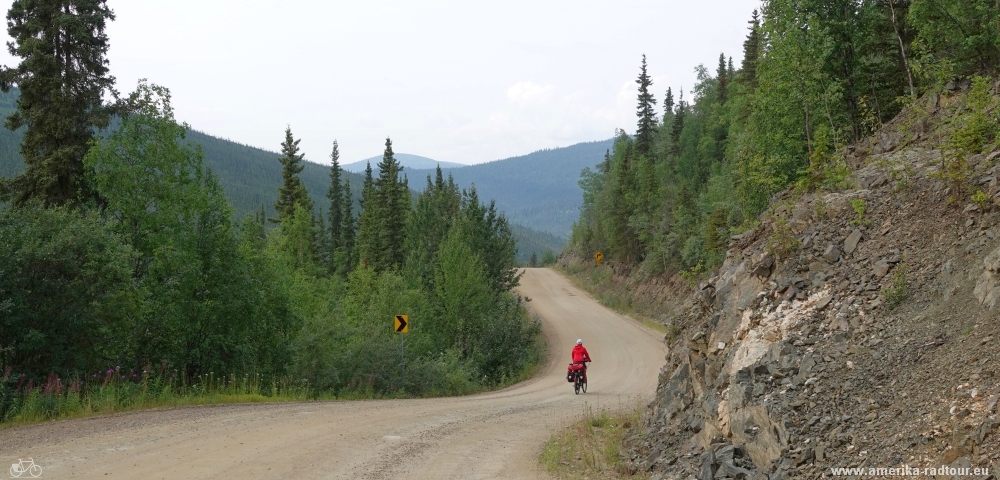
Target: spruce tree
(292,191)
(430,221)
(347,228)
(722,76)
(678,126)
(393,197)
(751,53)
(336,196)
(321,239)
(647,116)
(668,105)
(366,240)
(262,219)
(62,78)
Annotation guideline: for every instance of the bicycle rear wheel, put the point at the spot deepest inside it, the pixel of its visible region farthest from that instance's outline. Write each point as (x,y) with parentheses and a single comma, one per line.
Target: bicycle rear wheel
(584,386)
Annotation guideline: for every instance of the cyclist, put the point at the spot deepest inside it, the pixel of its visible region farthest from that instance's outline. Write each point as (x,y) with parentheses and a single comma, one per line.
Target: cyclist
(580,356)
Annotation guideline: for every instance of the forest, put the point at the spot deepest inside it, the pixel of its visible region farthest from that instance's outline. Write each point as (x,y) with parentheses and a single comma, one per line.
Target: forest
(127,280)
(248,175)
(814,77)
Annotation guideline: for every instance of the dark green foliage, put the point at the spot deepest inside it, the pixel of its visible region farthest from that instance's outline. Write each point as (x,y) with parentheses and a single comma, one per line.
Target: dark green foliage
(529,241)
(67,297)
(430,221)
(751,54)
(211,303)
(815,76)
(464,331)
(548,258)
(487,232)
(247,174)
(538,190)
(385,206)
(153,274)
(677,125)
(336,196)
(292,192)
(647,116)
(722,76)
(345,258)
(955,37)
(62,78)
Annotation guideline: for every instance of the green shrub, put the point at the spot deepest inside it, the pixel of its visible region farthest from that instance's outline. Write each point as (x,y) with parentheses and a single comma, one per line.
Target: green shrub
(896,292)
(858,204)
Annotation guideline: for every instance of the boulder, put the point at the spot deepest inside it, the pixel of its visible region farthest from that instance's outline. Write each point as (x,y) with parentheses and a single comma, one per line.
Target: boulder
(764,267)
(852,242)
(823,301)
(758,435)
(987,289)
(882,268)
(832,254)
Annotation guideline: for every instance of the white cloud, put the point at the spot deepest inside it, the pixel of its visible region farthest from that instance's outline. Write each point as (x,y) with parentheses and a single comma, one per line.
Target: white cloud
(455,81)
(528,94)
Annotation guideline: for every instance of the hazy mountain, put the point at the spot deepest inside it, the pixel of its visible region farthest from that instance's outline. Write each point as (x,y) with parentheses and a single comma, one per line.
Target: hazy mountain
(538,190)
(250,176)
(532,241)
(410,162)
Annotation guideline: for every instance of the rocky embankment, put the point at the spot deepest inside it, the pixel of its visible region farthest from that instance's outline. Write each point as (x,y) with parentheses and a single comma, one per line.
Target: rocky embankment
(857,328)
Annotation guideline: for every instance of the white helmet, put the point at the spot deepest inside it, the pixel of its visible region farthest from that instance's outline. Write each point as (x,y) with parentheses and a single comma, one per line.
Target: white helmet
(579,341)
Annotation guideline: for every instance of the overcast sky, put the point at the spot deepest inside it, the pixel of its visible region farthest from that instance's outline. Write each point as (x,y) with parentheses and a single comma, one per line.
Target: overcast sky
(460,81)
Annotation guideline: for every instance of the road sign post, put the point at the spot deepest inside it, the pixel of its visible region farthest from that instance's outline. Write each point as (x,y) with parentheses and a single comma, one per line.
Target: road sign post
(401,324)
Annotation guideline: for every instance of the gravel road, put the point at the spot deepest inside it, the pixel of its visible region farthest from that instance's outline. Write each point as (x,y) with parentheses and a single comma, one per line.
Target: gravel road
(492,435)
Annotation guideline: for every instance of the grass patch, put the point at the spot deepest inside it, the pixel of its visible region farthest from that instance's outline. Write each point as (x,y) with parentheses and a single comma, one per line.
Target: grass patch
(23,403)
(591,447)
(599,285)
(896,292)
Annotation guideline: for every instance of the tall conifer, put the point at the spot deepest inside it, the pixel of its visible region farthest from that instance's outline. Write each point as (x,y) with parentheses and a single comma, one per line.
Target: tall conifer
(366,240)
(647,115)
(292,191)
(668,104)
(347,227)
(393,210)
(678,126)
(722,76)
(62,79)
(751,53)
(336,196)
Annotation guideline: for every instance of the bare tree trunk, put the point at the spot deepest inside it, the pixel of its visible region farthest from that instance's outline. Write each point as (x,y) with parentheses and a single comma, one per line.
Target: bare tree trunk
(902,49)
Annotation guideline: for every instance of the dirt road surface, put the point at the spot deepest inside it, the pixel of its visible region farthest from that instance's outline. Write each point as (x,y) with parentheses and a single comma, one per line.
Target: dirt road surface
(493,435)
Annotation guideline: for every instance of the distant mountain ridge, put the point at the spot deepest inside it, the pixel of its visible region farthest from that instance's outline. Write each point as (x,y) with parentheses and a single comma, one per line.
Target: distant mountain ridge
(250,177)
(408,161)
(539,190)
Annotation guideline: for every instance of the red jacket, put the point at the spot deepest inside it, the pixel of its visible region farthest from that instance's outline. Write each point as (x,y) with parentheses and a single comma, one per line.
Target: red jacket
(580,354)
